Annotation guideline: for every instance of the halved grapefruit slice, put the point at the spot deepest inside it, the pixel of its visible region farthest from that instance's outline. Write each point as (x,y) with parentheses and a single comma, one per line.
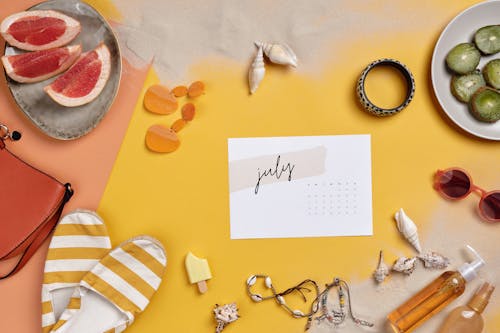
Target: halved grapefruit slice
(39,29)
(40,65)
(84,81)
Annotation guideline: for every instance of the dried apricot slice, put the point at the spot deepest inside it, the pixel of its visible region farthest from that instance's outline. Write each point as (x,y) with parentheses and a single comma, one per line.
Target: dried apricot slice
(158,99)
(196,89)
(178,125)
(180,91)
(162,139)
(188,111)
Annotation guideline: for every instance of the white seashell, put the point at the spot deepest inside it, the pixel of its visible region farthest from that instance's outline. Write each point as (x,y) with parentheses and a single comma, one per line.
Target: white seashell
(281,300)
(251,280)
(279,53)
(315,307)
(257,298)
(434,260)
(268,282)
(257,71)
(227,313)
(408,229)
(382,270)
(297,313)
(405,265)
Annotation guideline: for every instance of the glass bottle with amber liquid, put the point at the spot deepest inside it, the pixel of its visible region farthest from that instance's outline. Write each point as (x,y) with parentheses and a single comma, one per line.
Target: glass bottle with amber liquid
(467,318)
(434,297)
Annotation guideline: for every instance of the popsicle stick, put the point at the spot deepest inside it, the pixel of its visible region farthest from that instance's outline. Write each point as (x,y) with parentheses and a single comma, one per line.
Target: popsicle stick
(198,271)
(202,286)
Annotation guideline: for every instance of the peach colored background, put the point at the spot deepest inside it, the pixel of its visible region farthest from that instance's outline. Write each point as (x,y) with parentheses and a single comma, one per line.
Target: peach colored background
(86,163)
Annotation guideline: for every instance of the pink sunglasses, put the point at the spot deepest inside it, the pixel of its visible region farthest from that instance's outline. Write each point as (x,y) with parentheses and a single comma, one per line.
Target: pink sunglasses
(456,184)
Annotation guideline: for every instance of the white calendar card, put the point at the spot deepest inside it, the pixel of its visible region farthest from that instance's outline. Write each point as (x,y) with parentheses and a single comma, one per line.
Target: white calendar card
(308,186)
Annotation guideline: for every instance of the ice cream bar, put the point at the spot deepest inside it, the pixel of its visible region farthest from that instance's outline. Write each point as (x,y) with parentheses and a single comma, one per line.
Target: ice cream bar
(198,271)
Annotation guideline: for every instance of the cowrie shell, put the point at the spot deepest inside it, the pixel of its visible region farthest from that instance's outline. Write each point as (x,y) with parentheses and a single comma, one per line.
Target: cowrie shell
(251,280)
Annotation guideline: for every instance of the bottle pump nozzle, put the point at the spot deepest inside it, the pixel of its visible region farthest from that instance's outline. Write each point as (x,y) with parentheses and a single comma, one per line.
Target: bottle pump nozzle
(469,270)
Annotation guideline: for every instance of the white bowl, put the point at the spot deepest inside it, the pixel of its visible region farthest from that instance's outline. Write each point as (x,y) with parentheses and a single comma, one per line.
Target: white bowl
(461,30)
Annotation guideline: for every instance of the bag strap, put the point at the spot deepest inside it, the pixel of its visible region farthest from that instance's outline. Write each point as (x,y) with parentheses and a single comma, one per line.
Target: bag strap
(48,227)
(44,233)
(6,134)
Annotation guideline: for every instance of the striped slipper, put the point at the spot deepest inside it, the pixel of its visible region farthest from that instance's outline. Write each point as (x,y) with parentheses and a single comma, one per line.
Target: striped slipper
(79,242)
(116,290)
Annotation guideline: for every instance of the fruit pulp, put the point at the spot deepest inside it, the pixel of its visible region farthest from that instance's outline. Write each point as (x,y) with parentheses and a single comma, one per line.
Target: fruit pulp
(37,30)
(80,79)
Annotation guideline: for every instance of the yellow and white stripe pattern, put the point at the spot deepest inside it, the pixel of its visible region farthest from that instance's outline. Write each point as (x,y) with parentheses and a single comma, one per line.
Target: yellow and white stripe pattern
(127,277)
(79,242)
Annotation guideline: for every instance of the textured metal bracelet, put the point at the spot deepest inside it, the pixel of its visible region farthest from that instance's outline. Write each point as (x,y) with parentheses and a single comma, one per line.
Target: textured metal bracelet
(365,101)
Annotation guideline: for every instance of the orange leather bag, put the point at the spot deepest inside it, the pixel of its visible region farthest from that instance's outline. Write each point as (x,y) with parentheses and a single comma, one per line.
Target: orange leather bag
(31,203)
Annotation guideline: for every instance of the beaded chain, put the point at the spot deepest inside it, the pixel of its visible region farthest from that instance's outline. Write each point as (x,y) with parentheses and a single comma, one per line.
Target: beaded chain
(338,317)
(335,317)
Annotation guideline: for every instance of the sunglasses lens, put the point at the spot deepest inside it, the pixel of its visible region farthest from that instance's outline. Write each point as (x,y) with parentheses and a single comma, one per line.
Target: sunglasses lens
(490,206)
(454,183)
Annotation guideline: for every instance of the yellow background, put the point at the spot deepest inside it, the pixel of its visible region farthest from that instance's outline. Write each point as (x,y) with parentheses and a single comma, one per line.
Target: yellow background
(182,198)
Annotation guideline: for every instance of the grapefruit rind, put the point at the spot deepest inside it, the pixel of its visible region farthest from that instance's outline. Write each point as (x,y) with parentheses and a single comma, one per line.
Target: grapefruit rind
(73,28)
(105,57)
(74,53)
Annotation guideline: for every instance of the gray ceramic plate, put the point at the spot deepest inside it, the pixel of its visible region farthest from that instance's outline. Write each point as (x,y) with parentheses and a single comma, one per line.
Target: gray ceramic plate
(53,119)
(460,30)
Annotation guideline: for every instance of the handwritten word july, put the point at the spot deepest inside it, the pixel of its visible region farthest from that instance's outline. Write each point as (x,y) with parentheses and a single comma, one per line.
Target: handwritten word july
(276,172)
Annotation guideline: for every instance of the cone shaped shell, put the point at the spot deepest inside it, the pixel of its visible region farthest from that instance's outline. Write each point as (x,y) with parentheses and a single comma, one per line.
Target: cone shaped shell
(405,265)
(434,260)
(408,229)
(382,270)
(257,71)
(279,53)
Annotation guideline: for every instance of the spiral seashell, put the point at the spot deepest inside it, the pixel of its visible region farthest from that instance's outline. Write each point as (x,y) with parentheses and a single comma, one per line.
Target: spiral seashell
(278,53)
(434,260)
(251,280)
(408,229)
(382,270)
(257,71)
(405,265)
(256,298)
(227,313)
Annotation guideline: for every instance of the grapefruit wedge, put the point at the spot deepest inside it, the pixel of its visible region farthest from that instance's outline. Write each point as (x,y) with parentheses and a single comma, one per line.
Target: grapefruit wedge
(39,29)
(40,65)
(84,81)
